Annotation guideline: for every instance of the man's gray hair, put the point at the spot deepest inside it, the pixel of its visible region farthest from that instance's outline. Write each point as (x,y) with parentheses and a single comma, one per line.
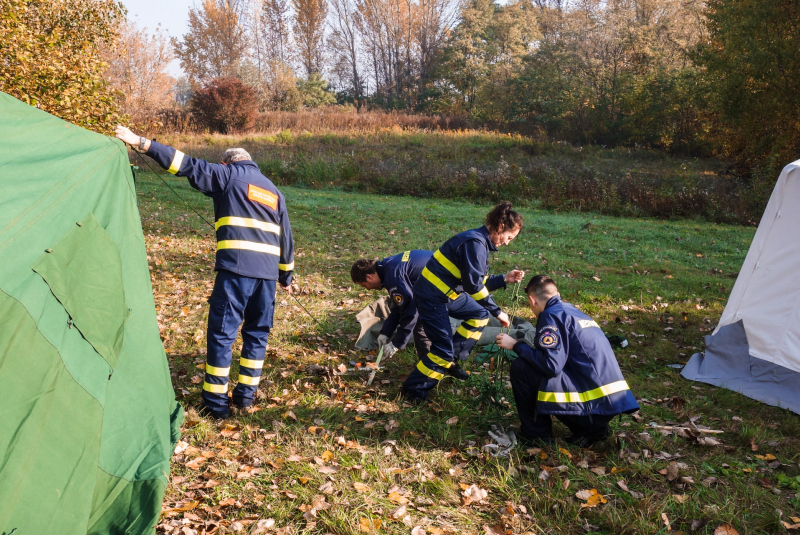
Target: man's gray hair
(235,155)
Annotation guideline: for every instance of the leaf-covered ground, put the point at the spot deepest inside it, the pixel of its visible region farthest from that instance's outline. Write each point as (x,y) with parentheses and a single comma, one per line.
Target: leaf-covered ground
(323,453)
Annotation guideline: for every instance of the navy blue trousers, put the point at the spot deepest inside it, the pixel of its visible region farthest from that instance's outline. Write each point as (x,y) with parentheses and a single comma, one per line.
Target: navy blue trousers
(445,347)
(236,300)
(526,381)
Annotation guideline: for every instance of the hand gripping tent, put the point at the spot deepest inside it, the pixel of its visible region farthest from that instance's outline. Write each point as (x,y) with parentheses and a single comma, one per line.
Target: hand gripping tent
(755,349)
(89,417)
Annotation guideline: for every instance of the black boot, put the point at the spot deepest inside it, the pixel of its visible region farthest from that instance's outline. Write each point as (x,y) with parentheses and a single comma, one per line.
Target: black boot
(456,372)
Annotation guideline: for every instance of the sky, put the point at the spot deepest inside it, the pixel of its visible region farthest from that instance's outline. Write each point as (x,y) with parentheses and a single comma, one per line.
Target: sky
(172,14)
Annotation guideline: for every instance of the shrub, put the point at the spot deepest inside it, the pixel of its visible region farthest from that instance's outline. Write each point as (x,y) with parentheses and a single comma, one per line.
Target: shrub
(225,105)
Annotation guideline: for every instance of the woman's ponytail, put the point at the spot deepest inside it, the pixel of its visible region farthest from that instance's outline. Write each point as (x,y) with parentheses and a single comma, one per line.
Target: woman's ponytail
(503,218)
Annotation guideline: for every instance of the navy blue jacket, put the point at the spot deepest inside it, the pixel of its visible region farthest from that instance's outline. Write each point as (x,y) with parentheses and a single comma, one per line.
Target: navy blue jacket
(398,275)
(254,237)
(581,373)
(462,265)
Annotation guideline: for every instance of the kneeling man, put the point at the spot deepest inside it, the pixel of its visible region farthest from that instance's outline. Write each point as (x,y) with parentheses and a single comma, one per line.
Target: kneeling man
(570,372)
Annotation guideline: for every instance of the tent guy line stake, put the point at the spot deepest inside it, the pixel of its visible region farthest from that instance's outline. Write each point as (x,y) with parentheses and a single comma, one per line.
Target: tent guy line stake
(210,224)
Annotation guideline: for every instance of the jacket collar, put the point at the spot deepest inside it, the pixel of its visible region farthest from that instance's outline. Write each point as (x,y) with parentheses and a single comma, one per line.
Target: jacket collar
(381,270)
(552,302)
(248,163)
(485,231)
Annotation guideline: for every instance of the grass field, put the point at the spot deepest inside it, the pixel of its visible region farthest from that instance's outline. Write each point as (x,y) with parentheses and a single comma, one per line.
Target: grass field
(326,454)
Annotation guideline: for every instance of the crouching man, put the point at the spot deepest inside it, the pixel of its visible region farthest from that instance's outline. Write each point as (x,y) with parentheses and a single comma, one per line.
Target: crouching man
(397,274)
(570,372)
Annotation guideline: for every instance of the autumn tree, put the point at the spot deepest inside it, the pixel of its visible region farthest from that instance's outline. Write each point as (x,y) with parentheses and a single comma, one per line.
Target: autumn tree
(273,32)
(216,42)
(753,68)
(345,45)
(225,105)
(137,68)
(50,57)
(309,29)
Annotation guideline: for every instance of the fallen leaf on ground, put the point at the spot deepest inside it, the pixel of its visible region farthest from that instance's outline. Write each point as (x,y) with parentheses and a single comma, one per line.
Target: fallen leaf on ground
(452,421)
(623,486)
(494,530)
(397,498)
(665,518)
(263,525)
(473,494)
(328,469)
(290,414)
(361,487)
(591,497)
(368,526)
(725,529)
(418,530)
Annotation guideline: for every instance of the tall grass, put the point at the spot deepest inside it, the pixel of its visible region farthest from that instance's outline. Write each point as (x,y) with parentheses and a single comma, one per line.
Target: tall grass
(489,166)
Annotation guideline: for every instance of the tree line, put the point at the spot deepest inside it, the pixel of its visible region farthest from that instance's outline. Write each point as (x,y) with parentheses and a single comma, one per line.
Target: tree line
(713,77)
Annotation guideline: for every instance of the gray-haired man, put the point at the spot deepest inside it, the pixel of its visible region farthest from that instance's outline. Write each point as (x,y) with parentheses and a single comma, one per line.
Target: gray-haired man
(254,249)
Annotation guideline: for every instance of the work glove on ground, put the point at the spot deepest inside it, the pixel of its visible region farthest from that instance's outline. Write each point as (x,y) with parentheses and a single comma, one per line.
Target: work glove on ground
(505,441)
(389,350)
(382,339)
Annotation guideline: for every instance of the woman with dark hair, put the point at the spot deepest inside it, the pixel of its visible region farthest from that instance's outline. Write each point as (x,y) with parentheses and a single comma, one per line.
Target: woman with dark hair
(456,283)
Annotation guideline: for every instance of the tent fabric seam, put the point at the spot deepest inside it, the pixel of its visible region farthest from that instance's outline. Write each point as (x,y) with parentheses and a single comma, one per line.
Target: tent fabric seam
(28,312)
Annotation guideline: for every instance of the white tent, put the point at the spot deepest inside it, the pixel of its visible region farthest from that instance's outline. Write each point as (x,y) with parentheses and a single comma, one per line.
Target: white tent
(755,349)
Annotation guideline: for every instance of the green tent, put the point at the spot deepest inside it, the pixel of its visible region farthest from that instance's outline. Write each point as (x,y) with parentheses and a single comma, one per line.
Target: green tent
(89,417)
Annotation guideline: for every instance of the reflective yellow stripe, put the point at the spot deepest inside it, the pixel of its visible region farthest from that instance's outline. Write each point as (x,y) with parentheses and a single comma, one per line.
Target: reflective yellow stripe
(177,160)
(219,372)
(439,361)
(406,256)
(447,264)
(429,372)
(583,397)
(482,294)
(286,267)
(475,335)
(252,364)
(247,222)
(247,380)
(250,246)
(478,323)
(216,389)
(436,281)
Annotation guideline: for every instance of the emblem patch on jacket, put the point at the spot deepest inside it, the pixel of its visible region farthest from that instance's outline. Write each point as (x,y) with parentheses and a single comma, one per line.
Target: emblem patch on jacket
(397,297)
(262,196)
(548,340)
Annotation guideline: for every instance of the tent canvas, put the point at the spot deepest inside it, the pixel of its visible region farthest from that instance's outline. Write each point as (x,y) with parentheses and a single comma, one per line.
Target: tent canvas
(755,348)
(89,413)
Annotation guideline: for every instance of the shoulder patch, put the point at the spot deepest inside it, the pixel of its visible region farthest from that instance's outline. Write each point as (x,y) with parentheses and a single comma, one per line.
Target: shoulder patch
(548,339)
(397,296)
(585,324)
(262,196)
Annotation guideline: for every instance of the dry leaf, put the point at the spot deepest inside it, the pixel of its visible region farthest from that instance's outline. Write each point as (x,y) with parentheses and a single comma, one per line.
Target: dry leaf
(473,494)
(418,530)
(623,486)
(368,526)
(304,480)
(600,470)
(361,487)
(725,529)
(397,498)
(196,463)
(591,496)
(452,421)
(328,469)
(327,456)
(665,518)
(680,498)
(263,525)
(494,530)
(399,513)
(295,459)
(227,502)
(672,472)
(290,414)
